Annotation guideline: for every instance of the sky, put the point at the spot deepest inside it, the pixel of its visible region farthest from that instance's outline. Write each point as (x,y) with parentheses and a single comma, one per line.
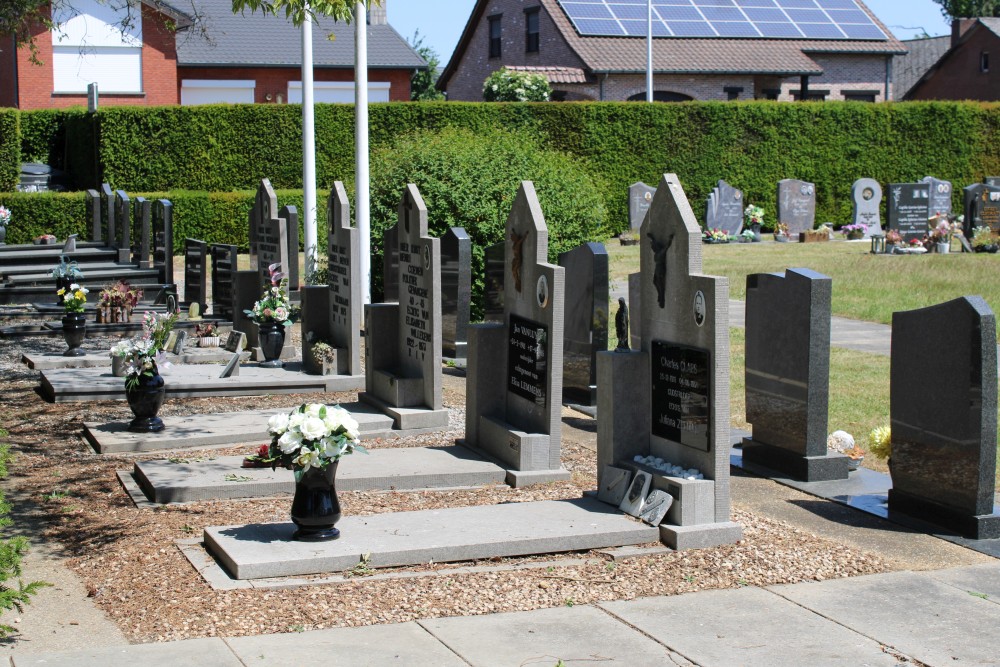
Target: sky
(440,22)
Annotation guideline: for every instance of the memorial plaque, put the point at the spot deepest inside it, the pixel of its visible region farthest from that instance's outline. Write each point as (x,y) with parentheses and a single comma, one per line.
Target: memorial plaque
(908,209)
(195,272)
(725,209)
(681,392)
(527,359)
(236,341)
(796,206)
(223,274)
(456,291)
(866,197)
(940,195)
(640,196)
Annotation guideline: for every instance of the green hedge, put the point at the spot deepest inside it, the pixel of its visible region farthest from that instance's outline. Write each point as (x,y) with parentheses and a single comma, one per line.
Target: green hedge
(10,149)
(752,145)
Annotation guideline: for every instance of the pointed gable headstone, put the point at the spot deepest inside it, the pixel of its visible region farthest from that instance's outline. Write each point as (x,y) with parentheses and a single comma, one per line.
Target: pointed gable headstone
(344,263)
(268,234)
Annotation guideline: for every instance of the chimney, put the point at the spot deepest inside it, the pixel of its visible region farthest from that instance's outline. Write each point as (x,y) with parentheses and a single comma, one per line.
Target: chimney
(377,15)
(959,27)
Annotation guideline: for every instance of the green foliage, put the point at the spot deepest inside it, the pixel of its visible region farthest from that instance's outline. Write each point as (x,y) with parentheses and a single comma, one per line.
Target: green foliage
(422,82)
(298,11)
(470,179)
(43,136)
(10,149)
(505,85)
(969,8)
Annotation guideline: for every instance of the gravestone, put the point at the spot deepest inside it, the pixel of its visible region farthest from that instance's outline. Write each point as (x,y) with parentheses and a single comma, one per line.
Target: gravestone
(108,214)
(796,206)
(494,290)
(290,215)
(390,265)
(224,267)
(788,374)
(403,340)
(246,290)
(515,367)
(121,240)
(943,409)
(940,196)
(163,240)
(992,180)
(866,198)
(908,208)
(586,320)
(982,207)
(236,341)
(93,208)
(315,325)
(268,235)
(640,196)
(143,221)
(344,263)
(670,399)
(725,209)
(456,291)
(196,273)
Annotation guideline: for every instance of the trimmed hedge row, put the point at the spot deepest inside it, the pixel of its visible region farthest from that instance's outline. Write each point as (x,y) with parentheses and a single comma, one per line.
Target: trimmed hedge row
(752,145)
(10,149)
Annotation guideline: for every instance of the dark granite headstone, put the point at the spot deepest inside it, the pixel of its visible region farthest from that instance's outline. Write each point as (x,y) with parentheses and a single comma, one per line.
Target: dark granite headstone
(585,331)
(908,209)
(142,217)
(992,180)
(495,272)
(93,207)
(456,291)
(196,273)
(725,209)
(163,240)
(107,214)
(982,207)
(223,274)
(796,206)
(640,196)
(940,195)
(246,291)
(788,374)
(943,407)
(122,239)
(315,325)
(866,197)
(390,265)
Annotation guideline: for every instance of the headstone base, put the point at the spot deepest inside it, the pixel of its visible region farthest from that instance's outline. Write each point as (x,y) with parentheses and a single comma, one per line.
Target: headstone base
(408,418)
(521,478)
(803,468)
(702,536)
(981,527)
(287,352)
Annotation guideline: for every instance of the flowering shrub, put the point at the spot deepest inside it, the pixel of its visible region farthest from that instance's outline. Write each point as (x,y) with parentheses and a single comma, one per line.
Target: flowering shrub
(73,298)
(847,230)
(144,356)
(311,436)
(505,85)
(274,306)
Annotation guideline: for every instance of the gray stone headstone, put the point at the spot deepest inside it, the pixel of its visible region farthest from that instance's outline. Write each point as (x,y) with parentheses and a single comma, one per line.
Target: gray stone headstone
(908,209)
(494,290)
(943,408)
(788,374)
(224,267)
(725,209)
(390,265)
(122,239)
(180,342)
(866,199)
(196,273)
(344,263)
(268,234)
(670,399)
(143,220)
(515,367)
(586,326)
(940,195)
(640,196)
(796,206)
(456,291)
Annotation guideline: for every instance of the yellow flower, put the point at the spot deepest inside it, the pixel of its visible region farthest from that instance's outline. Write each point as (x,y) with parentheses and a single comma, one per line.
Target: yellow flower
(61,291)
(79,295)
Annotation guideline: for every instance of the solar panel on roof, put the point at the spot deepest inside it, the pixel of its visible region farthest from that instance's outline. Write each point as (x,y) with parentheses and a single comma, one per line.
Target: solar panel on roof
(775,19)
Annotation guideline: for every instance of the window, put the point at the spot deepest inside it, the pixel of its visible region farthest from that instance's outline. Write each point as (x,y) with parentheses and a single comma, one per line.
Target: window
(860,95)
(214,91)
(732,92)
(984,61)
(811,95)
(97,42)
(531,30)
(495,35)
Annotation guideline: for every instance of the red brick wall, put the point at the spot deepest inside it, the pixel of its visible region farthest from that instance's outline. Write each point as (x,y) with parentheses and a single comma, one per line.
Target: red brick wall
(273,81)
(159,71)
(959,78)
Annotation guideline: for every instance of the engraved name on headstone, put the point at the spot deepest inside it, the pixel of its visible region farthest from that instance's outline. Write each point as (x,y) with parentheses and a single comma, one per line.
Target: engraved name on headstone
(908,208)
(640,196)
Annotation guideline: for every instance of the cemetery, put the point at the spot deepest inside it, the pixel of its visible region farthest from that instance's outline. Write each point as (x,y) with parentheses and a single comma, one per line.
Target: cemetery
(734,395)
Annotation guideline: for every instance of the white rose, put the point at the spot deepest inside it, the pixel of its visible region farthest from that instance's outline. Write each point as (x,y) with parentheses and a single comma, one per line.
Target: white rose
(351,427)
(307,458)
(295,420)
(333,447)
(289,442)
(313,428)
(334,418)
(313,409)
(277,424)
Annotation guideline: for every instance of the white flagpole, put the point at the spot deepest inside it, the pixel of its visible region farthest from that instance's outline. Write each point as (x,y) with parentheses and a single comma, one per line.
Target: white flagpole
(362,205)
(308,151)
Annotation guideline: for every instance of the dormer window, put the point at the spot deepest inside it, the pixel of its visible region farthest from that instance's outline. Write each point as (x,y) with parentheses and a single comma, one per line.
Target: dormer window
(531,41)
(495,43)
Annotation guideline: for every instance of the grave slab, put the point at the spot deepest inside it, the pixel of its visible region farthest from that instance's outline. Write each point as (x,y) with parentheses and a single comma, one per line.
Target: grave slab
(203,651)
(401,643)
(194,355)
(97,384)
(256,551)
(917,615)
(721,634)
(565,635)
(402,469)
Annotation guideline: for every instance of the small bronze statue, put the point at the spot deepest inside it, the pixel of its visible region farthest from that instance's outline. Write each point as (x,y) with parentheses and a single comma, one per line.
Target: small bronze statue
(516,240)
(621,324)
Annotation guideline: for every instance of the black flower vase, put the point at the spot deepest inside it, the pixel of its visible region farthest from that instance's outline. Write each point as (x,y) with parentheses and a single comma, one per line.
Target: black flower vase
(74,331)
(271,337)
(63,283)
(315,508)
(145,398)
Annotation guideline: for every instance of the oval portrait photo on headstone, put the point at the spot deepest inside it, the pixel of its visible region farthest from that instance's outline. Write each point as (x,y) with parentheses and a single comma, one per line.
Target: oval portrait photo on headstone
(542,292)
(867,194)
(699,308)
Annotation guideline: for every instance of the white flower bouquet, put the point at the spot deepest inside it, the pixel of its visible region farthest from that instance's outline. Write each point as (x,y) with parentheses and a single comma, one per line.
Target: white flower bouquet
(312,436)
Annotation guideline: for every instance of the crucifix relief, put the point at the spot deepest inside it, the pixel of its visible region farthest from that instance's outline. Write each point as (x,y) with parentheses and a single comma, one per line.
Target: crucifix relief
(660,266)
(516,255)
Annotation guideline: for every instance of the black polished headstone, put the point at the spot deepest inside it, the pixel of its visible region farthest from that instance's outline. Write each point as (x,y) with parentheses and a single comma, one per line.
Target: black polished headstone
(788,374)
(496,269)
(223,274)
(640,196)
(982,207)
(93,207)
(796,206)
(107,214)
(196,273)
(122,240)
(142,225)
(456,291)
(908,209)
(940,195)
(725,209)
(943,407)
(526,360)
(163,240)
(585,330)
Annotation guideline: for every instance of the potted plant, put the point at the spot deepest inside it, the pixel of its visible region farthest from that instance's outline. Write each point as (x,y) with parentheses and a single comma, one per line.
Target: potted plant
(854,231)
(325,355)
(939,237)
(4,221)
(781,232)
(66,272)
(44,239)
(73,299)
(984,240)
(893,240)
(754,216)
(116,302)
(628,238)
(272,314)
(311,440)
(144,386)
(746,236)
(207,334)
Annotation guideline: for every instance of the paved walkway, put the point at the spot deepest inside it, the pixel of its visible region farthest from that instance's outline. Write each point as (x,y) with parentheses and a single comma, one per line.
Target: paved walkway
(943,617)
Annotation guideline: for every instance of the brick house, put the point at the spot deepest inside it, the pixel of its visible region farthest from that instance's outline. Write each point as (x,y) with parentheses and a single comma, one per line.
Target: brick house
(964,71)
(204,56)
(540,36)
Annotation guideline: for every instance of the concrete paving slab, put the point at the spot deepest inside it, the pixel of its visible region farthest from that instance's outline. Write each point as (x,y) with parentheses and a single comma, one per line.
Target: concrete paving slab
(219,429)
(194,380)
(407,538)
(563,635)
(747,626)
(399,644)
(208,652)
(914,613)
(978,580)
(408,468)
